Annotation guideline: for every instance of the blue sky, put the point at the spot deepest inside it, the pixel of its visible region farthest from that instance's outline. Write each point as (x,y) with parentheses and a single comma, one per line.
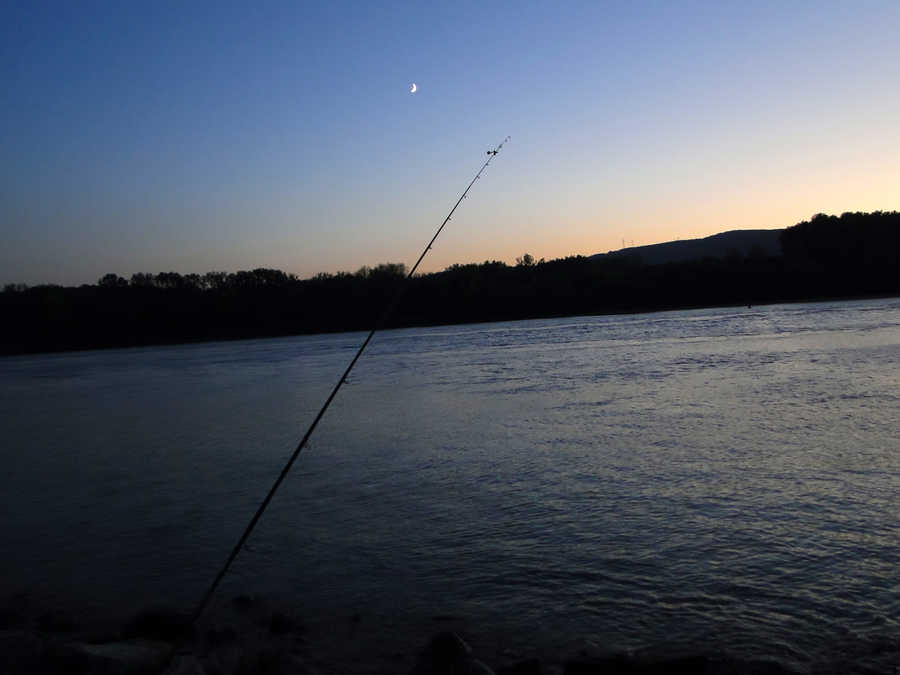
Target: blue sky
(147,137)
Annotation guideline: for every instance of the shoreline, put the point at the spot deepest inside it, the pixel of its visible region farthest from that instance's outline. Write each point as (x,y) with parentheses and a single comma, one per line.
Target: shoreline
(248,634)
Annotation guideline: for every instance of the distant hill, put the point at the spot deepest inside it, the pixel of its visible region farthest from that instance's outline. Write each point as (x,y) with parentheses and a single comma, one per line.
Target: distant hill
(722,245)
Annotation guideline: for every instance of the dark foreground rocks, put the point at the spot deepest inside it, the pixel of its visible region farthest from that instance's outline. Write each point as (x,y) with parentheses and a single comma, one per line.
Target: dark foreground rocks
(249,637)
(448,654)
(29,653)
(279,652)
(686,665)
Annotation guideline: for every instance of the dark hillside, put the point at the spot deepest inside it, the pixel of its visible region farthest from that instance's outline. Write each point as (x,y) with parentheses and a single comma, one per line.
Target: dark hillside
(742,243)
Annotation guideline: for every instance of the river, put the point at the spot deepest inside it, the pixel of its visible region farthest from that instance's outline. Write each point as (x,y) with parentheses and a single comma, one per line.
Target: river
(714,480)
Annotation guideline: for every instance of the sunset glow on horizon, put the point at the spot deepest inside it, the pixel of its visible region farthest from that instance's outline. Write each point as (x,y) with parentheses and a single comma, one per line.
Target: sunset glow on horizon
(283,135)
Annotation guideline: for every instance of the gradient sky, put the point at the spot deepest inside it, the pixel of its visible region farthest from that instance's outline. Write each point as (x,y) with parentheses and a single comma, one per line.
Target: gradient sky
(198,136)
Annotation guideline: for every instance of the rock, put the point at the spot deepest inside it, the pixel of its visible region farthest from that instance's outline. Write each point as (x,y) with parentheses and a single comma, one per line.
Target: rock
(448,654)
(476,667)
(22,652)
(69,658)
(295,665)
(529,667)
(158,623)
(258,659)
(224,660)
(185,664)
(448,646)
(14,613)
(752,667)
(684,665)
(612,665)
(130,656)
(626,665)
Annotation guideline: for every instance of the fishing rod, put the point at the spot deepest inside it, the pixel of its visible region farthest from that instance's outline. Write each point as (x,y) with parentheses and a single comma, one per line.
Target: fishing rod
(204,602)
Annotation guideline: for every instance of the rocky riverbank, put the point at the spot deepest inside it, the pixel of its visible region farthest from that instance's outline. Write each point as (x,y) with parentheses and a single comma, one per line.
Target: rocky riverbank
(249,636)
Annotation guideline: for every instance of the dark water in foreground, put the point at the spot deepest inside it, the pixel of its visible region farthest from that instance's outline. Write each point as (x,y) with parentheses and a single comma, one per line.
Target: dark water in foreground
(720,480)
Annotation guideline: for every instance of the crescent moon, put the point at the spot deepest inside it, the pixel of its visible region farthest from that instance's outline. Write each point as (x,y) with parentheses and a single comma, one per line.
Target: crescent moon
(413,88)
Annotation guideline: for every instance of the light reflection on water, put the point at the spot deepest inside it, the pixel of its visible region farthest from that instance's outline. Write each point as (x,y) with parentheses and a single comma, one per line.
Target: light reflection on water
(719,479)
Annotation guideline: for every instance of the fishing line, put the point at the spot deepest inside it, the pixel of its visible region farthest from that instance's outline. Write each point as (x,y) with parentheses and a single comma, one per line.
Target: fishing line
(201,607)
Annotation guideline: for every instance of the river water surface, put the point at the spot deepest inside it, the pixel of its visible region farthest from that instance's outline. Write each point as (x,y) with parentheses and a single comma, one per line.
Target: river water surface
(711,481)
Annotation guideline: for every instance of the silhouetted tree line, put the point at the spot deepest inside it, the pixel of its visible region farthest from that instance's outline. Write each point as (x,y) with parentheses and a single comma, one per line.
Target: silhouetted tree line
(854,255)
